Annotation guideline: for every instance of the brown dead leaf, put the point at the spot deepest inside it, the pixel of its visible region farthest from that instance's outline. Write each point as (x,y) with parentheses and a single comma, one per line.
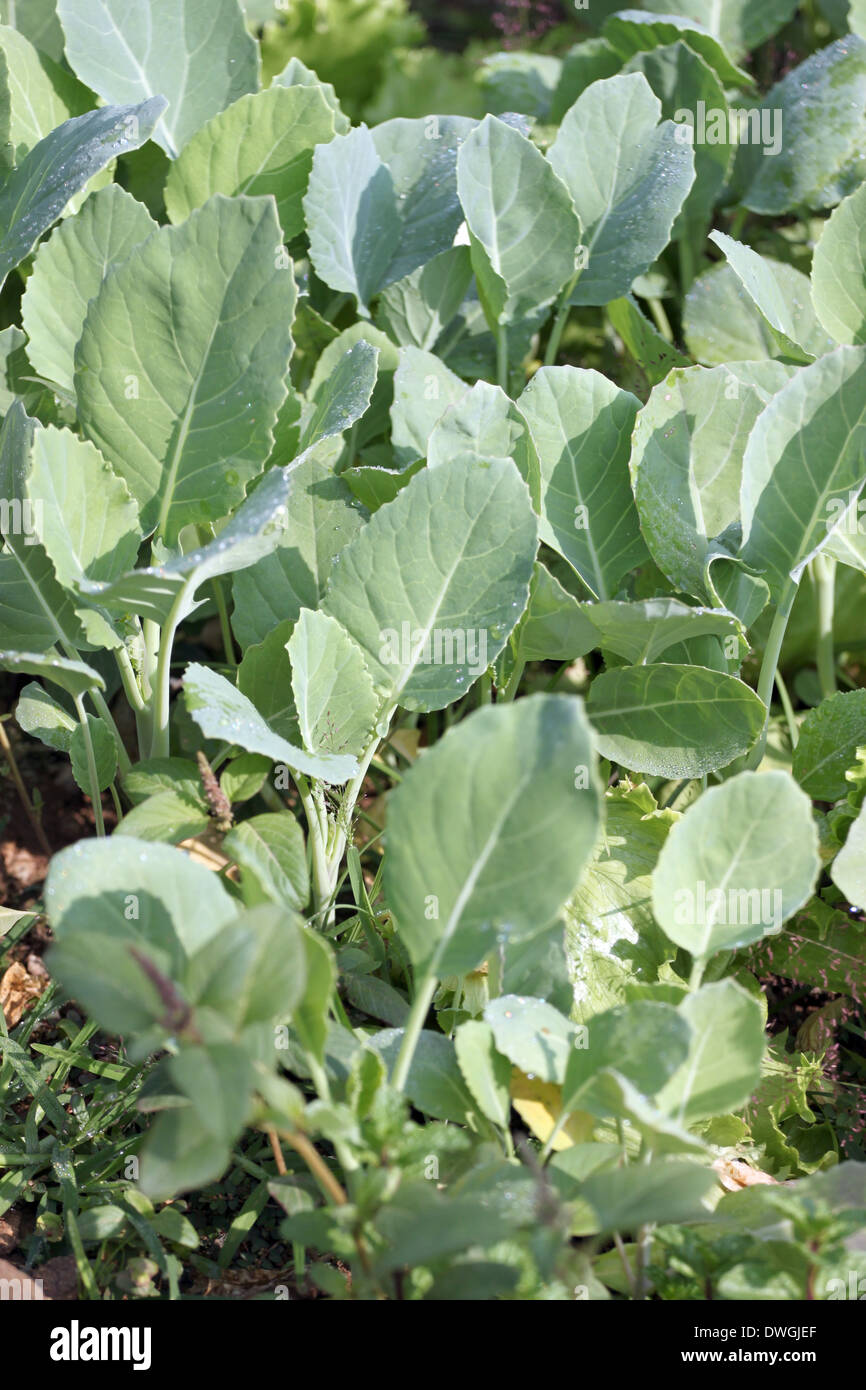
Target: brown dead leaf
(18,990)
(734,1175)
(206,849)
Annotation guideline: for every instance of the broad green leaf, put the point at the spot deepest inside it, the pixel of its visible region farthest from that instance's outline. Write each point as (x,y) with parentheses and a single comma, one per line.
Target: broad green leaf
(344,396)
(351,215)
(334,695)
(583,64)
(686,461)
(739,25)
(519,81)
(437,579)
(41,95)
(262,144)
(532,1034)
(312,1010)
(521,219)
(839,271)
(614,1097)
(244,777)
(217,1080)
(68,272)
(265,677)
(501,862)
(725,877)
(168,816)
(435,1083)
(201,378)
(375,420)
(274,970)
(416,310)
(37,21)
(297,74)
(424,388)
(104,754)
(642,630)
(716,1079)
(34,610)
(39,714)
(849,867)
(770,285)
(722,323)
(612,939)
(646,1042)
(322,519)
(196,53)
(807,451)
(580,424)
(485,1071)
(628,176)
(673,721)
(555,626)
(223,712)
(484,424)
(633,31)
(88,522)
(155,775)
(35,194)
(72,676)
(685,84)
(672,1191)
(820,107)
(653,353)
(180,1156)
(421,157)
(255,529)
(829,738)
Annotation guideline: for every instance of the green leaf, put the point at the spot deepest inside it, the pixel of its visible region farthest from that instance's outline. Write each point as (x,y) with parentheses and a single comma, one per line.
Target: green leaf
(38,22)
(416,310)
(322,519)
(41,95)
(351,215)
(770,284)
(686,462)
(217,1080)
(839,271)
(72,676)
(722,323)
(646,1042)
(297,74)
(819,107)
(521,219)
(641,631)
(716,1079)
(202,60)
(849,867)
(530,824)
(806,453)
(653,353)
(671,1191)
(581,424)
(435,1082)
(39,714)
(424,388)
(223,712)
(201,377)
(88,520)
(311,1013)
(738,24)
(334,695)
(344,396)
(436,581)
(632,31)
(532,1034)
(612,938)
(269,850)
(179,1156)
(484,424)
(105,755)
(628,176)
(265,677)
(829,738)
(170,816)
(485,1071)
(34,610)
(68,272)
(673,721)
(34,196)
(262,144)
(725,878)
(555,626)
(244,776)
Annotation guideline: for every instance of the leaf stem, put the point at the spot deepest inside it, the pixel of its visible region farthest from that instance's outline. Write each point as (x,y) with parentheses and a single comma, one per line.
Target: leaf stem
(772,652)
(161,743)
(502,356)
(824,579)
(92,775)
(562,313)
(414,1024)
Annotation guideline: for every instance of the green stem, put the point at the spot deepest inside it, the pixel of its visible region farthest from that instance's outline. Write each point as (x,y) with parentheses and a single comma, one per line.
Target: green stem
(225,625)
(92,776)
(662,322)
(767,677)
(790,718)
(560,321)
(502,356)
(824,579)
(414,1024)
(161,743)
(514,680)
(318,833)
(485,689)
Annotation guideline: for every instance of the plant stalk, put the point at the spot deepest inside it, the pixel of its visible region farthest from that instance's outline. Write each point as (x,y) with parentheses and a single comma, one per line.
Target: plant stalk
(92,775)
(414,1024)
(824,579)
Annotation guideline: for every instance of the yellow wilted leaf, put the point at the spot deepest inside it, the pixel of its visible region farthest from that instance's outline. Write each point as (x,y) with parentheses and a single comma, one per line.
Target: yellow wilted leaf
(18,989)
(538,1105)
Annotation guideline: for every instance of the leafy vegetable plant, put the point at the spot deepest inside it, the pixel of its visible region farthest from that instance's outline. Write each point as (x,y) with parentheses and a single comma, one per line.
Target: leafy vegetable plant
(515,463)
